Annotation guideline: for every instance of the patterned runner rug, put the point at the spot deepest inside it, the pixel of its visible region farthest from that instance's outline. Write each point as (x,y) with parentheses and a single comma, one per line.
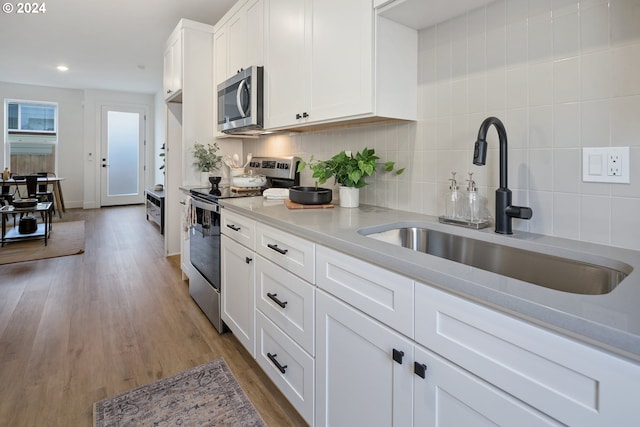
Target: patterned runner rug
(207,395)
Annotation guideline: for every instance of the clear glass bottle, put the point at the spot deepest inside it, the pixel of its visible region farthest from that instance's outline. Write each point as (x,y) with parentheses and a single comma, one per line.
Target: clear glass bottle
(472,205)
(452,199)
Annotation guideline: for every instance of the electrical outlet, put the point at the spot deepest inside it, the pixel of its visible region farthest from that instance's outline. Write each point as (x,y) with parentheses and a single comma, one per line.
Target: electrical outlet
(613,166)
(606,164)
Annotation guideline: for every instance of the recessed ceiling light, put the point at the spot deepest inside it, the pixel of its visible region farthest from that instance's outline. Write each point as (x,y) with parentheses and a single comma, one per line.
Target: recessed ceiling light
(62,68)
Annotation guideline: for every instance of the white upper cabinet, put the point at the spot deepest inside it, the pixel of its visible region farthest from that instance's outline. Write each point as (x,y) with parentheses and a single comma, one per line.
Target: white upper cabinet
(334,60)
(239,37)
(172,77)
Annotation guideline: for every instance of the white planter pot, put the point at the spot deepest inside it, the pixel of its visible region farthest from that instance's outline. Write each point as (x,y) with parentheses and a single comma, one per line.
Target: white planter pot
(349,197)
(204,179)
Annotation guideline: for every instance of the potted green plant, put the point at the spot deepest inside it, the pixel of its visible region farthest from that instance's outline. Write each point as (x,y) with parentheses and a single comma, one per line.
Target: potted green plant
(207,159)
(349,171)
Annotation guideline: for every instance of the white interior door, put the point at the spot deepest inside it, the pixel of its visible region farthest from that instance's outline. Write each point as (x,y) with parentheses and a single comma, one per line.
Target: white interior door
(122,155)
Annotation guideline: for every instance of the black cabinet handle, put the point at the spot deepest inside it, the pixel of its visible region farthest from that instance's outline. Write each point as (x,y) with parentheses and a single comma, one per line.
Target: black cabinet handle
(305,115)
(277,249)
(276,300)
(420,369)
(398,355)
(281,368)
(233,227)
(298,116)
(248,260)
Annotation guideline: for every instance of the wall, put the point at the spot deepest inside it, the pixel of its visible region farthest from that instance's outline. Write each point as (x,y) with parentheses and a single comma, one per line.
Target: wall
(560,74)
(70,132)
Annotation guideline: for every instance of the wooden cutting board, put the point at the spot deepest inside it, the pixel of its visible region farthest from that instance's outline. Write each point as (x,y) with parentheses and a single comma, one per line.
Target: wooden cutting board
(294,205)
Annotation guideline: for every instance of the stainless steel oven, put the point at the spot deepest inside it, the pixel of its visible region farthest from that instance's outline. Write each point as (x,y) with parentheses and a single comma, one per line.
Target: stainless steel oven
(205,286)
(204,250)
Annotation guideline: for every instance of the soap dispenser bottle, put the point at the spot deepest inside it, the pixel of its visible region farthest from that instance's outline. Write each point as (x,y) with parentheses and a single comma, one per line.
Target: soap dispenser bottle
(451,199)
(472,205)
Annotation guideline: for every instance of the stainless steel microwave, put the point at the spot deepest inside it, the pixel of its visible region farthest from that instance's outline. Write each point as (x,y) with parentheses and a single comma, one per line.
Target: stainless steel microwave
(240,100)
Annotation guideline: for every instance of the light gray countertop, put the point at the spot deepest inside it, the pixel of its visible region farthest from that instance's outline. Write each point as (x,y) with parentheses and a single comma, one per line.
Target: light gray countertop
(610,321)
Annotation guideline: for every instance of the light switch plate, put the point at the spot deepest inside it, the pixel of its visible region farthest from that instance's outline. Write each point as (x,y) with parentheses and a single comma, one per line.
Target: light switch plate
(606,164)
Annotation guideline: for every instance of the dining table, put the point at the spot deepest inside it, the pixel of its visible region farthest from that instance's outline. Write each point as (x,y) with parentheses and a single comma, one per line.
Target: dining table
(53,180)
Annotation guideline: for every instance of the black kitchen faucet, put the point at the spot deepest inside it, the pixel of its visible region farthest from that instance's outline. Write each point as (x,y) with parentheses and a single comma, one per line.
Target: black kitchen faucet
(504,211)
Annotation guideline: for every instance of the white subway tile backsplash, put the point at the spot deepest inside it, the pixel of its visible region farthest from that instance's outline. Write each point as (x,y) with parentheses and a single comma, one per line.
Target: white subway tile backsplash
(541,127)
(623,24)
(625,123)
(595,219)
(595,123)
(624,222)
(566,125)
(566,31)
(594,26)
(560,74)
(540,83)
(566,215)
(517,94)
(540,37)
(596,76)
(566,80)
(625,70)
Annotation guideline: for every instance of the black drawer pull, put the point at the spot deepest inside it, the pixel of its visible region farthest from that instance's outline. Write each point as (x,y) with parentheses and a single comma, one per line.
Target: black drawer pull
(420,369)
(248,260)
(277,249)
(233,227)
(276,300)
(281,368)
(398,355)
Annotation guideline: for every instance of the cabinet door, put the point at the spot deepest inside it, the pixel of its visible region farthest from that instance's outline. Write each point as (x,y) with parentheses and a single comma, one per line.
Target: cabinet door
(237,29)
(358,382)
(255,33)
(287,65)
(172,78)
(451,396)
(238,303)
(571,382)
(342,59)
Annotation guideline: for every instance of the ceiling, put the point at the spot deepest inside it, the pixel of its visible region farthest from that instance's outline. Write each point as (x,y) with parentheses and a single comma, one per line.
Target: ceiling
(107,44)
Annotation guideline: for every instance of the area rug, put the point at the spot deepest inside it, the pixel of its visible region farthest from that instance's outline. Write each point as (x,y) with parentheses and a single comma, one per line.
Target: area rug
(66,238)
(207,395)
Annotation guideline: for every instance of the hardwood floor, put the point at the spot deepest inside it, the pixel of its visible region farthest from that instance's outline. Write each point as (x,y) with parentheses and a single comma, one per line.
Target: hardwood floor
(78,329)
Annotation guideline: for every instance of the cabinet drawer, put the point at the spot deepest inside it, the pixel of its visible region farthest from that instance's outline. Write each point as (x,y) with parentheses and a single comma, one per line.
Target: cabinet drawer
(382,294)
(239,228)
(570,381)
(275,288)
(297,381)
(289,252)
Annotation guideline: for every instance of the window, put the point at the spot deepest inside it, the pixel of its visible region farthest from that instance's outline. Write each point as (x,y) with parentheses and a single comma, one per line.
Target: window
(31,136)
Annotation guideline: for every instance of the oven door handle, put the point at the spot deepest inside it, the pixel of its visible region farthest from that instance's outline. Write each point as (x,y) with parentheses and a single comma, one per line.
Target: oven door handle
(211,207)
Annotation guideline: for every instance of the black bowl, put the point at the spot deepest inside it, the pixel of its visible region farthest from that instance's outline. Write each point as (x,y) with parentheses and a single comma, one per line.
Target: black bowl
(24,203)
(310,195)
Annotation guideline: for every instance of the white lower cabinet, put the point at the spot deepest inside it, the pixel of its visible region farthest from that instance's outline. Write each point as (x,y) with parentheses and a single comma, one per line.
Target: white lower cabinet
(363,369)
(450,396)
(567,380)
(238,304)
(287,364)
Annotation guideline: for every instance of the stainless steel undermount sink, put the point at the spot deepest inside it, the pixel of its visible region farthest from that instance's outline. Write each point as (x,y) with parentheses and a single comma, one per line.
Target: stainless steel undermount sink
(553,272)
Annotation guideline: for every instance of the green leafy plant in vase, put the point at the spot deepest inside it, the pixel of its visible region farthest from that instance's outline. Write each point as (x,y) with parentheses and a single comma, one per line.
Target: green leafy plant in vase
(207,160)
(349,171)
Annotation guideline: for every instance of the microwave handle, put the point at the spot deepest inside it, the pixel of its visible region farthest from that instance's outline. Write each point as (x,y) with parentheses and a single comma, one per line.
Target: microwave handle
(241,86)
